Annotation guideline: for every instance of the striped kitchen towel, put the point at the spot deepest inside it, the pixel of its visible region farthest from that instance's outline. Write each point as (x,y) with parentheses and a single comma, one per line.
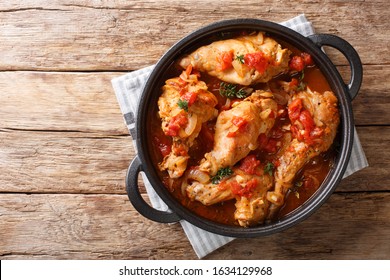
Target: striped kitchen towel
(128,88)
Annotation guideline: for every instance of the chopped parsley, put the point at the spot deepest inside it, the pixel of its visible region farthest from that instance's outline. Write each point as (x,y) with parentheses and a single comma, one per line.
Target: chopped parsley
(183,104)
(230,91)
(240,58)
(269,168)
(222,172)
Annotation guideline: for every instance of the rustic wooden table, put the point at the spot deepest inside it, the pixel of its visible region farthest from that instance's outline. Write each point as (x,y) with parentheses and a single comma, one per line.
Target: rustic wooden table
(65,149)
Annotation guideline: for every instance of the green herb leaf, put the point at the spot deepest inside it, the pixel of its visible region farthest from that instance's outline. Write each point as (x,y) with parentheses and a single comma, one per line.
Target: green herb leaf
(230,91)
(241,93)
(240,58)
(269,168)
(302,75)
(227,90)
(223,172)
(302,84)
(183,104)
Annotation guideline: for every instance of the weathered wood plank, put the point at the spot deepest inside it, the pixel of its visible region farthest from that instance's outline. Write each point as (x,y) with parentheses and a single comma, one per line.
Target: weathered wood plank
(375,177)
(95,35)
(84,227)
(348,226)
(50,162)
(40,162)
(107,227)
(86,101)
(60,101)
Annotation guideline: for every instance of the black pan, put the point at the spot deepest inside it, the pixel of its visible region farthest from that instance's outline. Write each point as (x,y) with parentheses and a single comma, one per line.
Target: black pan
(313,45)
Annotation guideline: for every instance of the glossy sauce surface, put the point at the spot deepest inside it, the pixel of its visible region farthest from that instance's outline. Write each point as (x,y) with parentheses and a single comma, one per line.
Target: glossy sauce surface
(306,182)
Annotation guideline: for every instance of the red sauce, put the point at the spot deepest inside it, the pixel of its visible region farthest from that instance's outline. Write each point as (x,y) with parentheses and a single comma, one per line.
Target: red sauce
(307,181)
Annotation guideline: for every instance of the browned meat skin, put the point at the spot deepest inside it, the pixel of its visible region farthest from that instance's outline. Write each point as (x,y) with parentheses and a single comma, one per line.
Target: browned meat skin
(208,193)
(199,112)
(323,108)
(207,59)
(259,112)
(250,210)
(253,210)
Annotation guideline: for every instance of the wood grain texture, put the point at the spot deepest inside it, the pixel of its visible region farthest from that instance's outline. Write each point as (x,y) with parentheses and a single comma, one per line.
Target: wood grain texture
(60,101)
(39,162)
(128,35)
(107,227)
(86,102)
(73,162)
(64,147)
(83,227)
(352,235)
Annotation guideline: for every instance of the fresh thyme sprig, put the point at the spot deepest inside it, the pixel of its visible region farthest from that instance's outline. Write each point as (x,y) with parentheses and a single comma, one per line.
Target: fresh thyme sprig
(230,91)
(222,172)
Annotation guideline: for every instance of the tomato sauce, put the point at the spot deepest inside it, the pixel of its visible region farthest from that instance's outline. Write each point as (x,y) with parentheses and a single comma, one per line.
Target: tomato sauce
(307,181)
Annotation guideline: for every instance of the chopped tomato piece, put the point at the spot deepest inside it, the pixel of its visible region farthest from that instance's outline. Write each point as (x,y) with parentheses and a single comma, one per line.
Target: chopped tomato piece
(297,63)
(294,109)
(306,120)
(257,60)
(307,59)
(190,97)
(223,185)
(246,191)
(302,124)
(176,123)
(249,164)
(225,60)
(240,123)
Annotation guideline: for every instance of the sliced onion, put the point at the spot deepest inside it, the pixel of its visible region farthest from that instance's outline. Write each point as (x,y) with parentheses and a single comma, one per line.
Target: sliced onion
(239,67)
(192,121)
(227,103)
(265,114)
(197,175)
(184,184)
(183,76)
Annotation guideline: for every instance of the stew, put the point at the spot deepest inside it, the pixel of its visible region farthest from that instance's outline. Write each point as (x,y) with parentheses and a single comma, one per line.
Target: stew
(244,130)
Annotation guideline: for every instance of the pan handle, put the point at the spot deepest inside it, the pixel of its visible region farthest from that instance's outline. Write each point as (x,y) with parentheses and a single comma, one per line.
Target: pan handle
(137,200)
(350,54)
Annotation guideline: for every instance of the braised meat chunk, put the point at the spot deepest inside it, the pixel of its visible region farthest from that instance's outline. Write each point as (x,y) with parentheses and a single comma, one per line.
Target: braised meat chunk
(314,121)
(184,106)
(247,132)
(243,60)
(237,130)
